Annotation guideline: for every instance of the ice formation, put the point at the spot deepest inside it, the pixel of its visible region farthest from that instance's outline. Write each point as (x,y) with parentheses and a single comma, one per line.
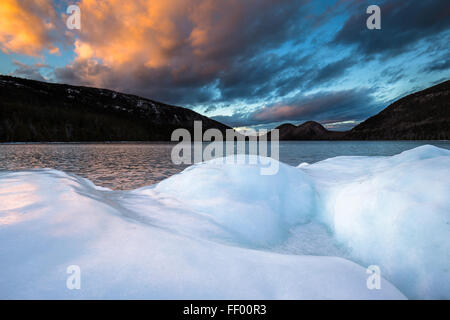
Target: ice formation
(221,230)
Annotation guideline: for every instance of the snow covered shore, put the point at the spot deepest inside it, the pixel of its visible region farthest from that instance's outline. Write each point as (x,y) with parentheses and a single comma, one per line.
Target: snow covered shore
(224,231)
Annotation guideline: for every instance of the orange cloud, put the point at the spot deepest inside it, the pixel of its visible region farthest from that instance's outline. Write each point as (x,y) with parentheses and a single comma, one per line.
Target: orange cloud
(25,26)
(163,33)
(184,36)
(167,49)
(145,32)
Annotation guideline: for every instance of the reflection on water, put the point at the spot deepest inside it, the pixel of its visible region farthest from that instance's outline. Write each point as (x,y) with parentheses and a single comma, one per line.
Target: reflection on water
(133,165)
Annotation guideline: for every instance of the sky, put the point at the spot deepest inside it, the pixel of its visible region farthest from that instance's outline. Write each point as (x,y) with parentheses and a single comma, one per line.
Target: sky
(248,64)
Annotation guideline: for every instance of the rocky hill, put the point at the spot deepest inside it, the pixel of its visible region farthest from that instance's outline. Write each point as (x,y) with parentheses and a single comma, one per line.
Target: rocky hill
(40,111)
(309,130)
(424,115)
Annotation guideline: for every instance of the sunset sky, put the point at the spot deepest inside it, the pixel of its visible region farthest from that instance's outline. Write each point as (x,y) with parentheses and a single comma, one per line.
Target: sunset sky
(252,63)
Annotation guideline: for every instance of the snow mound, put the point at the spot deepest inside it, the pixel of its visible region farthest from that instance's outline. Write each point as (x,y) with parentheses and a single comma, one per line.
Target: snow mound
(393,212)
(258,209)
(51,220)
(224,231)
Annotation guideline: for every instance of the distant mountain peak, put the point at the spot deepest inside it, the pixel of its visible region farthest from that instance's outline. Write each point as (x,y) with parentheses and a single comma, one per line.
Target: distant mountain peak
(285,126)
(310,123)
(309,130)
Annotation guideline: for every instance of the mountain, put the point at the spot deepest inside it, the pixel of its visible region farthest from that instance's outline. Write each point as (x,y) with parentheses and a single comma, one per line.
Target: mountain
(424,115)
(309,130)
(39,111)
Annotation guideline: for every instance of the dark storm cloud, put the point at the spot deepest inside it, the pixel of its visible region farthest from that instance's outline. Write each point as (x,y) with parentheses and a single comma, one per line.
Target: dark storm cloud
(392,74)
(442,63)
(206,62)
(263,76)
(403,23)
(332,70)
(439,66)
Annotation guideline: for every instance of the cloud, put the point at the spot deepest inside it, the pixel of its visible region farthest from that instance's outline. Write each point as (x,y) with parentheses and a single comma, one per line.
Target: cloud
(393,74)
(440,63)
(325,107)
(439,66)
(237,119)
(29,71)
(403,24)
(217,56)
(333,70)
(321,106)
(27,27)
(181,51)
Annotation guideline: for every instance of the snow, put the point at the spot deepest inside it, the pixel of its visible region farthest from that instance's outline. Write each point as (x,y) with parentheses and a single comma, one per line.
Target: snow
(71,91)
(257,209)
(223,231)
(394,211)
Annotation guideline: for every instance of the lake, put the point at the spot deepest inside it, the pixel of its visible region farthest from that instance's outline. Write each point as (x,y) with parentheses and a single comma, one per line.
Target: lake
(131,165)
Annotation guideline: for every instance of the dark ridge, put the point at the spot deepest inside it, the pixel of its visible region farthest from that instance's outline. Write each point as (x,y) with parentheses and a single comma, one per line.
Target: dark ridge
(32,111)
(424,115)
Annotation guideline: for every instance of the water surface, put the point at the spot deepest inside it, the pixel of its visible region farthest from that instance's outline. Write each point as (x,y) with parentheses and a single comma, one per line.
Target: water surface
(133,165)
